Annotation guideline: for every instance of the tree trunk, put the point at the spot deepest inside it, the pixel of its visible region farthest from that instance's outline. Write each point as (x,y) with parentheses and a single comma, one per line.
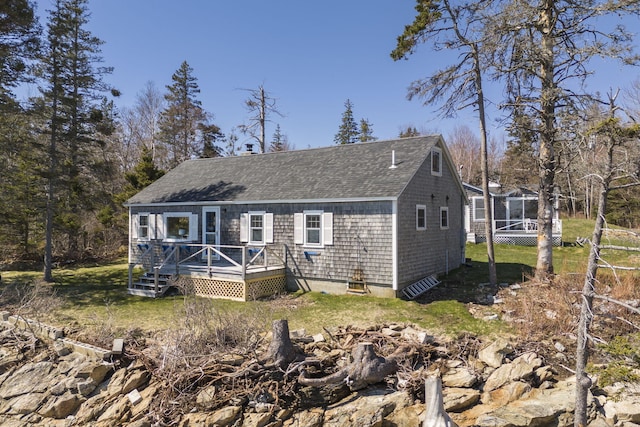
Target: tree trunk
(583,382)
(547,161)
(281,350)
(435,413)
(484,166)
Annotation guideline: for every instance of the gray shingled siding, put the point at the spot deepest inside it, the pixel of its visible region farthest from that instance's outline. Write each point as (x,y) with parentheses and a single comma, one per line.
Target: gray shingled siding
(361,236)
(361,233)
(431,251)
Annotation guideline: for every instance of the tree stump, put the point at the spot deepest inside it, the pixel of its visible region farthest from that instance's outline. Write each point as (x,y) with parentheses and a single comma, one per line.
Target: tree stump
(281,350)
(366,368)
(435,414)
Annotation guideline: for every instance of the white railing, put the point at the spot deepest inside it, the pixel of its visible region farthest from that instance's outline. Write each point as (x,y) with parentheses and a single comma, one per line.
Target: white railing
(526,226)
(160,256)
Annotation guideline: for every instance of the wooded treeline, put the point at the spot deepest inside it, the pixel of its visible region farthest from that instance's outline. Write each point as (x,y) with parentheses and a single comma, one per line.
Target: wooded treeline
(69,156)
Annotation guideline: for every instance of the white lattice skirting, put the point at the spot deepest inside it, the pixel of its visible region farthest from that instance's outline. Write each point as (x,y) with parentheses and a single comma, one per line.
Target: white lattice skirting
(233,290)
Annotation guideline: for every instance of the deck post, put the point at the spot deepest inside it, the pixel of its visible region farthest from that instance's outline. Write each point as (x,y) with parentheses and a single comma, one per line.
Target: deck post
(265,263)
(156,278)
(130,284)
(176,252)
(244,262)
(209,256)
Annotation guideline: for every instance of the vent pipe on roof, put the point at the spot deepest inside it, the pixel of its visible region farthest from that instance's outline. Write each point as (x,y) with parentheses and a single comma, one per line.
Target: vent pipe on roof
(393,160)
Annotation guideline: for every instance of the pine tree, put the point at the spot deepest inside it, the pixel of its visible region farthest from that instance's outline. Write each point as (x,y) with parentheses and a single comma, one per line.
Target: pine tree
(348,132)
(71,84)
(409,131)
(19,43)
(182,118)
(211,136)
(21,196)
(366,131)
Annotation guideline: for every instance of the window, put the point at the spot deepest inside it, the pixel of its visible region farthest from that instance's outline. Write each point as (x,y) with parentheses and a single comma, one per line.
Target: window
(313,228)
(177,226)
(478,208)
(421,217)
(436,161)
(143,226)
(256,228)
(444,218)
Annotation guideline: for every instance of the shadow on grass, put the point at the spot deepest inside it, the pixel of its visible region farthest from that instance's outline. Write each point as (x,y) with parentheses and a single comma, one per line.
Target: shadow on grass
(470,283)
(92,286)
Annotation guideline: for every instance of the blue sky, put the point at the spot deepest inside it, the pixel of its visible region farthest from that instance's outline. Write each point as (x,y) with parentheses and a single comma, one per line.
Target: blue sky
(310,56)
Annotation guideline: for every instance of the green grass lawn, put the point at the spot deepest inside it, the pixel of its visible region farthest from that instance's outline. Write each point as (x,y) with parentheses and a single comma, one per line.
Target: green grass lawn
(95,296)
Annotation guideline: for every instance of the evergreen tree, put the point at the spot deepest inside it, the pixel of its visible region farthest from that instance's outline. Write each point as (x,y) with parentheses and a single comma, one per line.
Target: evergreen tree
(19,43)
(211,138)
(181,120)
(277,142)
(21,197)
(348,132)
(72,81)
(144,173)
(408,132)
(366,131)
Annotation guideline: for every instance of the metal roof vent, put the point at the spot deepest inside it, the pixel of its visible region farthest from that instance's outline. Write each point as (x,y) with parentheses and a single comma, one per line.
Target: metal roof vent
(393,160)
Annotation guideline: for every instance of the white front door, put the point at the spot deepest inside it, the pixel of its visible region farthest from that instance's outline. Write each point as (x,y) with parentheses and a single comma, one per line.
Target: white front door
(211,228)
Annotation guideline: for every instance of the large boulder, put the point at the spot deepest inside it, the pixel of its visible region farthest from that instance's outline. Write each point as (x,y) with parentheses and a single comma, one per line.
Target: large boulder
(520,368)
(459,399)
(368,408)
(493,354)
(459,377)
(308,418)
(61,406)
(30,378)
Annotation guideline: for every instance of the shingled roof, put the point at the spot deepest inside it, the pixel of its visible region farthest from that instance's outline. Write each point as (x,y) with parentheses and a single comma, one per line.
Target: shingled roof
(341,172)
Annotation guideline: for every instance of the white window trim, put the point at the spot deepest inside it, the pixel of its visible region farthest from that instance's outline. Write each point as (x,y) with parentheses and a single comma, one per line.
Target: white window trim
(423,208)
(304,229)
(139,227)
(264,228)
(439,151)
(444,209)
(473,208)
(300,228)
(192,232)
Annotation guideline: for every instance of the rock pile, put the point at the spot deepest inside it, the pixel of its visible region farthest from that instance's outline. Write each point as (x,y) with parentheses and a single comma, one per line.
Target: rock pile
(495,386)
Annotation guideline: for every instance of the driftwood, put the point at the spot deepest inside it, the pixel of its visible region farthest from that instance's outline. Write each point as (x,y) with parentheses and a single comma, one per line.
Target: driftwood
(435,414)
(366,368)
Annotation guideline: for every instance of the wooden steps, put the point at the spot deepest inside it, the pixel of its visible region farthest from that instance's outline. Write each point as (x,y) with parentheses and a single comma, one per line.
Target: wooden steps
(146,287)
(420,287)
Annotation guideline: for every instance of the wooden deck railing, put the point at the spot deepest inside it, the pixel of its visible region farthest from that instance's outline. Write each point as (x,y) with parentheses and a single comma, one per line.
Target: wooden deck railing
(173,258)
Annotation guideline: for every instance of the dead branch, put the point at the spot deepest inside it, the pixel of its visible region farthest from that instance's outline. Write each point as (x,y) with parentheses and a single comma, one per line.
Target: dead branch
(617,267)
(620,248)
(615,301)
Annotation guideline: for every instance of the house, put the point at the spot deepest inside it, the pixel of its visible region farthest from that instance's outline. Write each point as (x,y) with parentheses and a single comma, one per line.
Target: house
(515,216)
(371,217)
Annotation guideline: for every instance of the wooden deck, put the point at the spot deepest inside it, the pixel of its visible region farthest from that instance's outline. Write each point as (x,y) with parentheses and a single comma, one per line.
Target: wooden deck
(229,272)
